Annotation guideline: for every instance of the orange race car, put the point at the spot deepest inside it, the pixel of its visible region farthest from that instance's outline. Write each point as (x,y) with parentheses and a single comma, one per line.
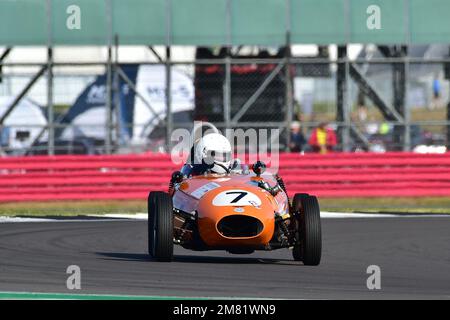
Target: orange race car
(240,211)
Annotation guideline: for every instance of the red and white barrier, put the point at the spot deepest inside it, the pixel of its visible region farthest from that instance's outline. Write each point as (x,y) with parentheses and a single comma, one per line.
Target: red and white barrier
(42,178)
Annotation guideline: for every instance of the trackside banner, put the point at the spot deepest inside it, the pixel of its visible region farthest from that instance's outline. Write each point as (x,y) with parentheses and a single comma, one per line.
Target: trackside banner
(138,115)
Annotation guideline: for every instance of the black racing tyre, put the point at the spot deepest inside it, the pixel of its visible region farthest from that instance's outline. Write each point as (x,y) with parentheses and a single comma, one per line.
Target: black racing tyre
(160,226)
(296,201)
(308,247)
(297,252)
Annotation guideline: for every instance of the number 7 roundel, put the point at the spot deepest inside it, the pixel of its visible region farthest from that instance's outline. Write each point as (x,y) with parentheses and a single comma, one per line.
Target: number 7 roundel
(236,197)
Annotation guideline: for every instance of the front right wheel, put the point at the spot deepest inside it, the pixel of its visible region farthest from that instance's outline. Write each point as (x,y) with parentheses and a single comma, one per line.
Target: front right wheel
(308,246)
(160,226)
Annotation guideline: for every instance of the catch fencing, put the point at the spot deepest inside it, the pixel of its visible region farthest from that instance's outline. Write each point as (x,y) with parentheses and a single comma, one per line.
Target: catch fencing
(356,97)
(131,177)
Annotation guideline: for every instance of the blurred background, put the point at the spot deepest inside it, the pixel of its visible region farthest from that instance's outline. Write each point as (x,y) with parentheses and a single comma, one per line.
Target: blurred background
(94,77)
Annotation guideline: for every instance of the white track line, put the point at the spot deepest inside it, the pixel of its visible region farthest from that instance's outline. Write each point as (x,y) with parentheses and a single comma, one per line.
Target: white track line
(22,220)
(143,217)
(339,215)
(323,214)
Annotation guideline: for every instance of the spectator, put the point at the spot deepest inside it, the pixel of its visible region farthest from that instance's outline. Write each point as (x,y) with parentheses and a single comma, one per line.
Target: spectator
(436,93)
(297,138)
(323,139)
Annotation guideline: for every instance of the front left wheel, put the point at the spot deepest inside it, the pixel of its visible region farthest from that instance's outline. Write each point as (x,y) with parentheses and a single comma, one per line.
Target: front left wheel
(160,226)
(308,247)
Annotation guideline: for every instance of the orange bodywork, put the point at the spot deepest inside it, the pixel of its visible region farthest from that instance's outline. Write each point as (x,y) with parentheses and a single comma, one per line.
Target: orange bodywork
(216,197)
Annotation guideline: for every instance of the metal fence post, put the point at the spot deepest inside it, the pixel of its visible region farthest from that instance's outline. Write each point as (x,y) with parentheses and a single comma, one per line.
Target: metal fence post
(116,93)
(227,82)
(347,108)
(407,109)
(343,97)
(109,102)
(448,126)
(108,123)
(288,86)
(50,106)
(168,67)
(227,91)
(346,94)
(289,94)
(447,76)
(169,118)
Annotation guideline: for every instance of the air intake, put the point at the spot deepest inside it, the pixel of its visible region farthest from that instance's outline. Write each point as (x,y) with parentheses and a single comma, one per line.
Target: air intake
(237,226)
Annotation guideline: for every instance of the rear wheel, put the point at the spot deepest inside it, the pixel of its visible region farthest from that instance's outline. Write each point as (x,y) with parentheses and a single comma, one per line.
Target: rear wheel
(160,226)
(308,247)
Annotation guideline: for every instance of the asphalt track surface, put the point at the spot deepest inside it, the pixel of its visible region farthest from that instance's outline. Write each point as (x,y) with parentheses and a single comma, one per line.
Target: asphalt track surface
(413,254)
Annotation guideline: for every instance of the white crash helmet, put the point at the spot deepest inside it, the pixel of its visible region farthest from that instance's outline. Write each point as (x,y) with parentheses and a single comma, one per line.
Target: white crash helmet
(215,149)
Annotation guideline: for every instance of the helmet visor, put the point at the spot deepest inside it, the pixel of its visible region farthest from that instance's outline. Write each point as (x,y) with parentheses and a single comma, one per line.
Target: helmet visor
(218,156)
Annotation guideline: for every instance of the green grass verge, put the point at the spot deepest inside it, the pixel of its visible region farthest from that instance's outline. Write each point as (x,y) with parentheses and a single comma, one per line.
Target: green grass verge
(71,208)
(374,205)
(436,205)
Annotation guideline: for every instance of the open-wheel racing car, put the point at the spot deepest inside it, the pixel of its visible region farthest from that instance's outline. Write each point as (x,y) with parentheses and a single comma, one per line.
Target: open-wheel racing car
(237,212)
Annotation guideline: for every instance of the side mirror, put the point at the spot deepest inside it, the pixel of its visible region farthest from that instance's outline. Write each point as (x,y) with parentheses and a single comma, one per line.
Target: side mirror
(259,167)
(177,177)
